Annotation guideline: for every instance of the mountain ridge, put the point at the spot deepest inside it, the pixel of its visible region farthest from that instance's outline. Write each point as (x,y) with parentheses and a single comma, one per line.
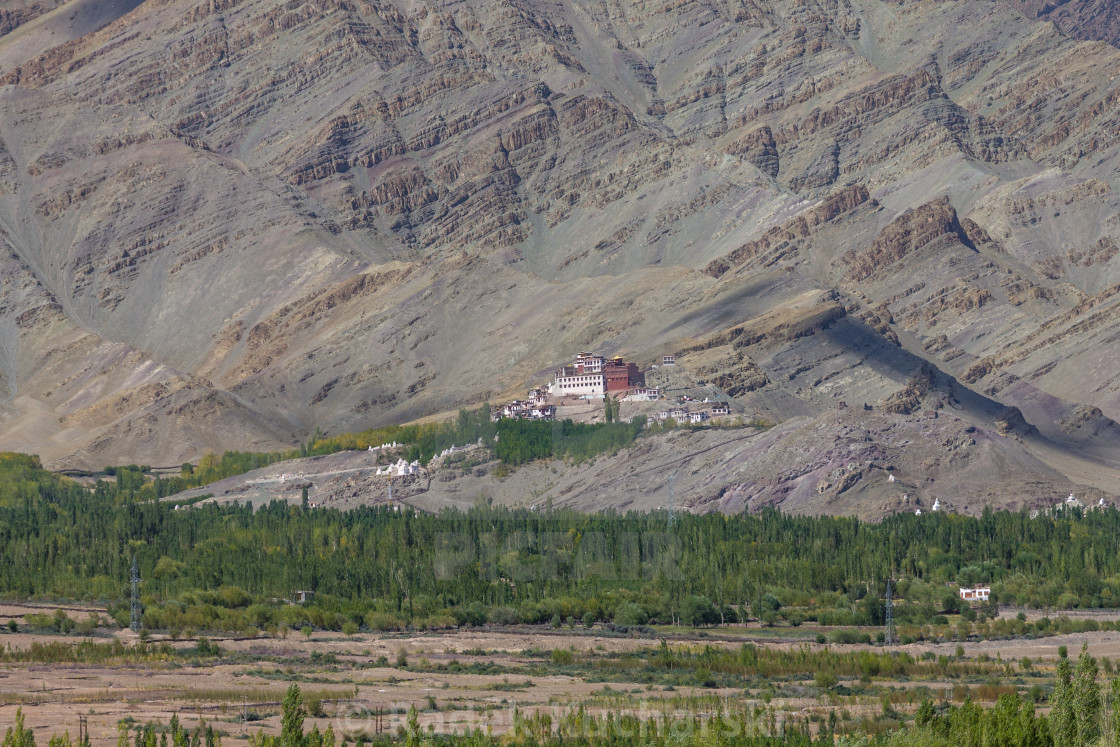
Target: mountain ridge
(231,222)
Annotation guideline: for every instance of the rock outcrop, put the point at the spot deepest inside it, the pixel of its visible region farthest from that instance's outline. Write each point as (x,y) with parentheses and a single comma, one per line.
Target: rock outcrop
(227,222)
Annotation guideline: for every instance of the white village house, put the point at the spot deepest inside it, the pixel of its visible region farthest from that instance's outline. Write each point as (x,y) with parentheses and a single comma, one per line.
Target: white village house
(975,594)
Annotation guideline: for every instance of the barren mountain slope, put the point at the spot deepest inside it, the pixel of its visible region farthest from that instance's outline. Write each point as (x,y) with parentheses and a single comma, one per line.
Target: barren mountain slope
(227,222)
(1081,19)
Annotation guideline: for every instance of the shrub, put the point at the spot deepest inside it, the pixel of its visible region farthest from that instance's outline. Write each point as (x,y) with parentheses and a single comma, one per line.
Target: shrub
(699,610)
(503,616)
(563,657)
(826,680)
(204,647)
(629,613)
(849,636)
(315,707)
(381,621)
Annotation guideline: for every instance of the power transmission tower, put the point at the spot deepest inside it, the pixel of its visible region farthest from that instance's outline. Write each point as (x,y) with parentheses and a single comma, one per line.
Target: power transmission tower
(134,621)
(890,637)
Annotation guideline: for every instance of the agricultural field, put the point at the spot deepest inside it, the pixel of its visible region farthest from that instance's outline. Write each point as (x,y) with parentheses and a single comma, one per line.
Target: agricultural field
(364,685)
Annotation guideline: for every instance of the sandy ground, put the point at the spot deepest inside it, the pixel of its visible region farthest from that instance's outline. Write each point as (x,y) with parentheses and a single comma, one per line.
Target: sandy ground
(54,696)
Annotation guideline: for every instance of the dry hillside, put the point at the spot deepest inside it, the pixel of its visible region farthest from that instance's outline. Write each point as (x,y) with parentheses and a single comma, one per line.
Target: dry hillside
(226,222)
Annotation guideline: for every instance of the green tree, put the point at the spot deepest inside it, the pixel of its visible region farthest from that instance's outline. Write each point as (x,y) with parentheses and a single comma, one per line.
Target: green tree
(629,613)
(414,738)
(291,720)
(1112,715)
(18,736)
(697,611)
(1063,719)
(1087,698)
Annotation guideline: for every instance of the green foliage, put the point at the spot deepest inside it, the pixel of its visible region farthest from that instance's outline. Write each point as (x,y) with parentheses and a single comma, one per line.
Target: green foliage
(1063,718)
(629,613)
(291,719)
(18,735)
(1112,715)
(562,657)
(523,441)
(1087,698)
(1011,723)
(225,567)
(698,611)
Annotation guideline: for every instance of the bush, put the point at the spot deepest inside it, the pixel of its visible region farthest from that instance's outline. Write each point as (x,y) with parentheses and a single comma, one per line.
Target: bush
(503,616)
(849,636)
(204,647)
(315,707)
(697,611)
(349,627)
(563,657)
(380,621)
(438,621)
(629,613)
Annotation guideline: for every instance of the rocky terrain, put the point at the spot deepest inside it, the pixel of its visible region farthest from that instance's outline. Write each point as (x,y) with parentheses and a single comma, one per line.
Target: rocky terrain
(227,222)
(1090,19)
(838,464)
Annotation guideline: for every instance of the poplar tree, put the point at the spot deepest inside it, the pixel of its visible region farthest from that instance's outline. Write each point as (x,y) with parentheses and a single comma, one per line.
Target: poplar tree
(1112,721)
(1062,716)
(19,736)
(291,722)
(1087,698)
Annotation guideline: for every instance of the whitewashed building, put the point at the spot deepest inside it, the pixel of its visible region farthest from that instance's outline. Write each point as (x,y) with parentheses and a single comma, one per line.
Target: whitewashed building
(570,382)
(975,594)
